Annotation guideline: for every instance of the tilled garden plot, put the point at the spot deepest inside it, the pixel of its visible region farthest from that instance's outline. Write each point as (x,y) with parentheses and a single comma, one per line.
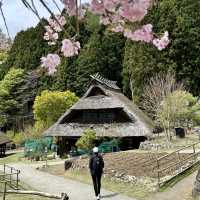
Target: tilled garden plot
(131,163)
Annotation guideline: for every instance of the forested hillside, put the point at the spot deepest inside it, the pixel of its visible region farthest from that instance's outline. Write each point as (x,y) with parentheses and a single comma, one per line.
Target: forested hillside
(130,63)
(102,51)
(181,19)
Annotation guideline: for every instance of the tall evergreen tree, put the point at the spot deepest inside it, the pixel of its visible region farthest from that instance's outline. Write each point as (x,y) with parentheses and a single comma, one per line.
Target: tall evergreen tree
(181,18)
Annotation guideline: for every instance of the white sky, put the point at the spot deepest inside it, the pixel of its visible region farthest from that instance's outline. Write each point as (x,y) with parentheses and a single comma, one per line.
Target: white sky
(19,17)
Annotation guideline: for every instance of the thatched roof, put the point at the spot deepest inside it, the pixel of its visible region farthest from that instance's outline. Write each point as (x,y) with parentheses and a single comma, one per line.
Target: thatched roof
(103,95)
(4,139)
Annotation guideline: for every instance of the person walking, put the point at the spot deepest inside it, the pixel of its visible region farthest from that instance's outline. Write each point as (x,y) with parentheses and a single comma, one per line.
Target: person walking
(96,166)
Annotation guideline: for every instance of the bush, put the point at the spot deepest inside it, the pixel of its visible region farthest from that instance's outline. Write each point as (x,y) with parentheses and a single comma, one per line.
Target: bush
(86,142)
(9,104)
(176,109)
(17,138)
(49,106)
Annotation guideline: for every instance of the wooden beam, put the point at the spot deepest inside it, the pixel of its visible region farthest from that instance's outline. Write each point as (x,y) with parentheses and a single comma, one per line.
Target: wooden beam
(43,194)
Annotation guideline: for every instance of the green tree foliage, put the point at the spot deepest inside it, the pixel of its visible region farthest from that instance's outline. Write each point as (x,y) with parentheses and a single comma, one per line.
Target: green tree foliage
(49,106)
(27,49)
(86,142)
(196,114)
(3,56)
(141,61)
(177,108)
(8,99)
(101,51)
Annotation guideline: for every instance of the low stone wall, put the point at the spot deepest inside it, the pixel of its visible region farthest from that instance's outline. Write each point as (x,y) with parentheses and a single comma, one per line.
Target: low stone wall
(148,145)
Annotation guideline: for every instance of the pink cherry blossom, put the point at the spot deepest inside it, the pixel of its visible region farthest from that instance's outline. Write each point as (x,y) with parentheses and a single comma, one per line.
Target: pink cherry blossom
(70,6)
(111,5)
(116,18)
(50,63)
(144,34)
(128,33)
(70,48)
(57,24)
(134,10)
(81,13)
(105,20)
(51,34)
(163,42)
(97,7)
(118,28)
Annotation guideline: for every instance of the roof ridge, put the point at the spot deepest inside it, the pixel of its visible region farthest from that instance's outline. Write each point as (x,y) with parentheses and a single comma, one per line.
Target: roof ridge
(107,82)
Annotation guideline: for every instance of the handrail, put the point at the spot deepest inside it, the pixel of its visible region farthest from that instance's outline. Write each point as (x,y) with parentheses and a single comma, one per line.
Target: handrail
(177,166)
(13,174)
(11,167)
(177,151)
(8,174)
(174,164)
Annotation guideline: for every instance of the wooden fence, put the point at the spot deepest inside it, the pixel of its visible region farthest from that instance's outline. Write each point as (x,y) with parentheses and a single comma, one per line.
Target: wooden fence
(9,178)
(10,175)
(170,165)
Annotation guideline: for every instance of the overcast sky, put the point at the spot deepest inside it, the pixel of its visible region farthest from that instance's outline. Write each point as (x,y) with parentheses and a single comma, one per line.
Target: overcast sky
(19,18)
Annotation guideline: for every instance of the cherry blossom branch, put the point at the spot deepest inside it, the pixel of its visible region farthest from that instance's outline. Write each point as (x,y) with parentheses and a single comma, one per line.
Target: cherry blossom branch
(50,12)
(77,14)
(57,6)
(31,7)
(4,19)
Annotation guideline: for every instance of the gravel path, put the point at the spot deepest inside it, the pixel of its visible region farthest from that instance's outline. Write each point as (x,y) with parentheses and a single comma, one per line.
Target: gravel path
(53,184)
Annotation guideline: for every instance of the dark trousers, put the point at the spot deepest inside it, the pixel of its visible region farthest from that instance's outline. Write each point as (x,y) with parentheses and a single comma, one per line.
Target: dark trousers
(96,178)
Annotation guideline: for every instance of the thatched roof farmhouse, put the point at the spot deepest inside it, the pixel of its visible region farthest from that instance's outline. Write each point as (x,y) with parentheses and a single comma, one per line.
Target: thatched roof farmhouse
(107,111)
(3,141)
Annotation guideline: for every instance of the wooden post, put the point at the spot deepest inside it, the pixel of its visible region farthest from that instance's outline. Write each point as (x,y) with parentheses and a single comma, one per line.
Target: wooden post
(11,171)
(4,172)
(194,152)
(4,192)
(179,159)
(17,179)
(158,169)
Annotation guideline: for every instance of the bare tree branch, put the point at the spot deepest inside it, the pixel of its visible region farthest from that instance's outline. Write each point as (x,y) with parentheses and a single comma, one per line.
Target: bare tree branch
(4,19)
(50,12)
(57,6)
(31,7)
(158,87)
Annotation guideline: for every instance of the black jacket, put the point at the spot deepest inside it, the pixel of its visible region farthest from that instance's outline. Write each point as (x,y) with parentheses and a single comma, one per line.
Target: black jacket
(94,167)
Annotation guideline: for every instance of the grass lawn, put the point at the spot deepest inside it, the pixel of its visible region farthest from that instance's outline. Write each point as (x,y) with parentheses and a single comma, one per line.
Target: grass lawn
(178,142)
(138,191)
(11,158)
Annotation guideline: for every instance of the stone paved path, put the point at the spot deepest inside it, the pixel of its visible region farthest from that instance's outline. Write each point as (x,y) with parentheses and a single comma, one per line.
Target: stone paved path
(54,184)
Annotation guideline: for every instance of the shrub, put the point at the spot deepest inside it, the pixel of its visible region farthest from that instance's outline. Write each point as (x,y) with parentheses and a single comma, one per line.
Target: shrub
(86,142)
(176,109)
(17,138)
(49,106)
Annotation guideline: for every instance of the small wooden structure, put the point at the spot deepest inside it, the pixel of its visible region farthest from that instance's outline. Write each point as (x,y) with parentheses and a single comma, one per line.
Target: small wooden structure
(3,141)
(108,112)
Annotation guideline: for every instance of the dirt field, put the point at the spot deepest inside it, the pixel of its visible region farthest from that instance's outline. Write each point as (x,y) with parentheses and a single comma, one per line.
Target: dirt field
(133,164)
